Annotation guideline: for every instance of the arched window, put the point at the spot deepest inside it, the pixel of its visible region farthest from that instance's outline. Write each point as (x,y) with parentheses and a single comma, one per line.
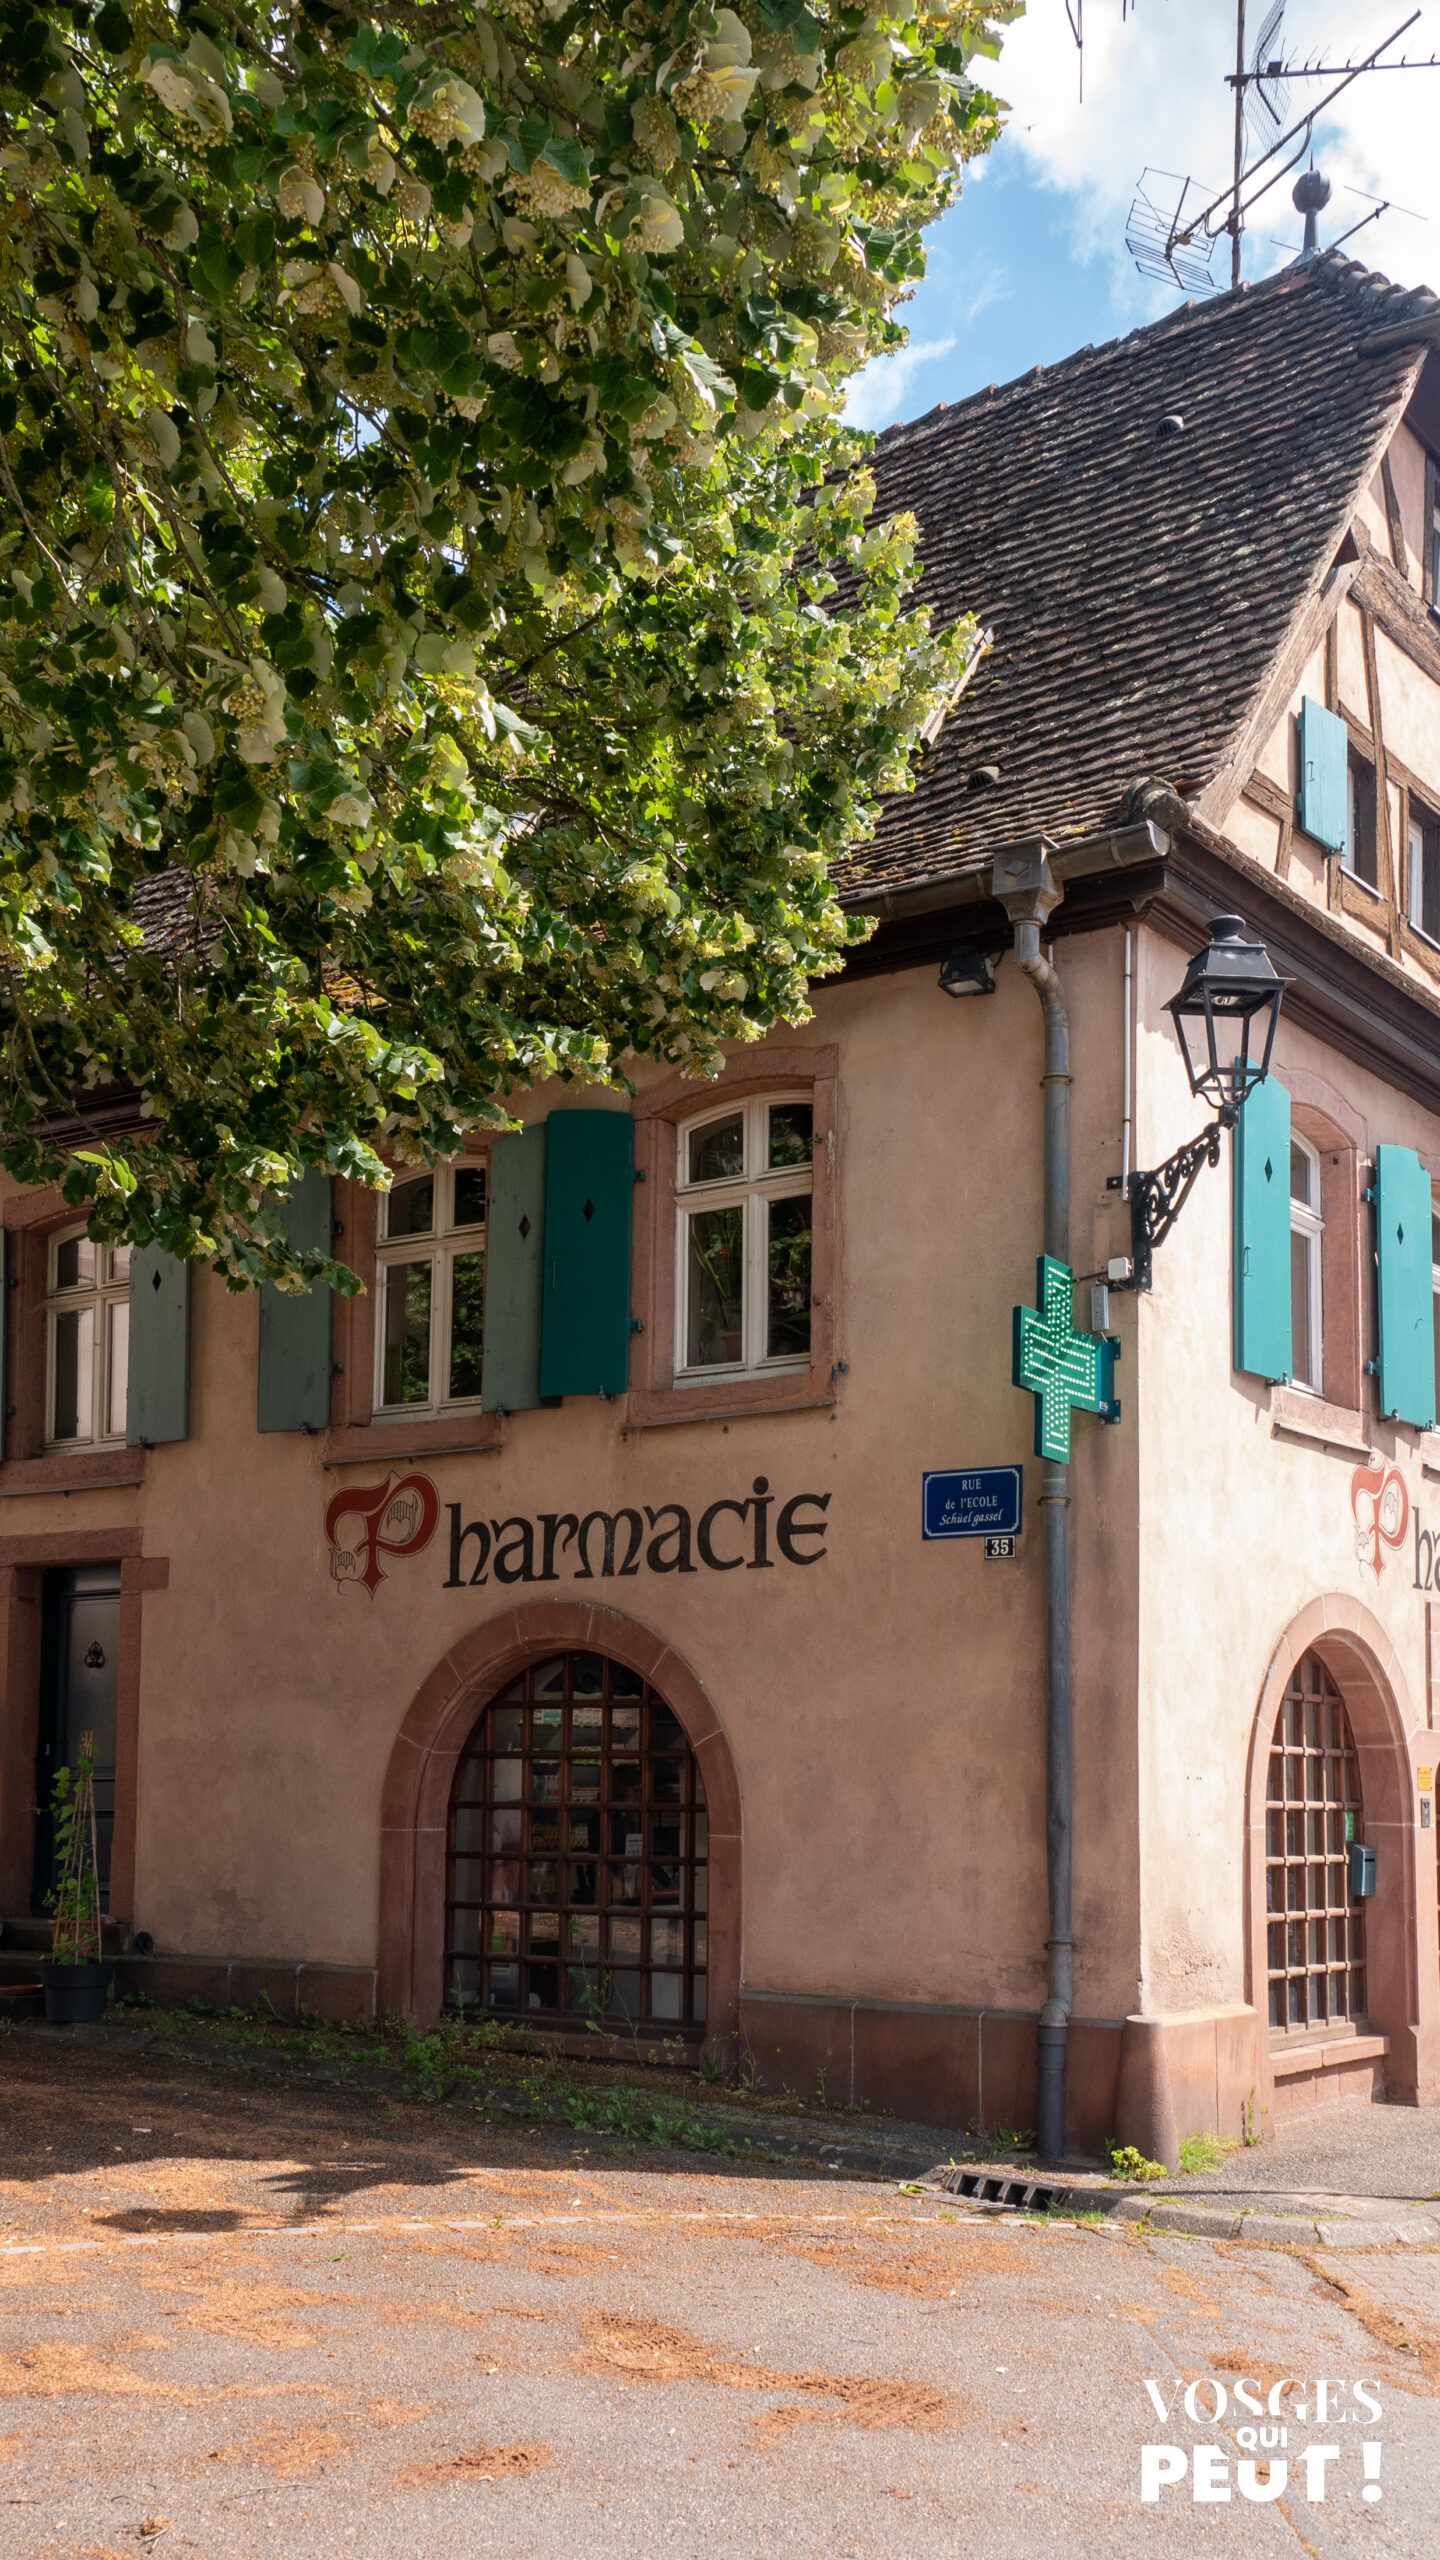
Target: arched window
(576,1884)
(1315,1931)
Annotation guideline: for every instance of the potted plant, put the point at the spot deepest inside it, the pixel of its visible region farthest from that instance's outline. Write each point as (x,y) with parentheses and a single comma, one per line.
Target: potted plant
(75,1979)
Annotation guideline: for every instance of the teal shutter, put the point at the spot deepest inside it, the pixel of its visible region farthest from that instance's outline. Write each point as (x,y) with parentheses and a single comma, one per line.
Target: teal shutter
(585,1303)
(1324,776)
(157,1387)
(1262,1233)
(293,1392)
(514,1270)
(1407,1323)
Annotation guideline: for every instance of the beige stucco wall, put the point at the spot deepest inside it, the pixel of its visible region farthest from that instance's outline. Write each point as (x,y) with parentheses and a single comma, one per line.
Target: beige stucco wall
(1242,1525)
(885,1705)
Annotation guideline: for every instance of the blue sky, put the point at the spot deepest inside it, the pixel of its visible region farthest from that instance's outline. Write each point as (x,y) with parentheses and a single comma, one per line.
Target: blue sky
(1032,263)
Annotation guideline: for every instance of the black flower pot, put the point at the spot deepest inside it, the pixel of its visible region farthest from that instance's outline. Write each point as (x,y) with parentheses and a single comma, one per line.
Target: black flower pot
(75,1994)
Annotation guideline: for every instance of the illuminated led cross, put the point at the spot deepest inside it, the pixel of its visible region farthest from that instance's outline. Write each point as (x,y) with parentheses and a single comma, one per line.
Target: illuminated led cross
(1061,1367)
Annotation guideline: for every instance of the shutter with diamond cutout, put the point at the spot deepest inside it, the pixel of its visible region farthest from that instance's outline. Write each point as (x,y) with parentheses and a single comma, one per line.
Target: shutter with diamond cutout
(585,1302)
(293,1388)
(514,1270)
(1262,1233)
(157,1388)
(1407,1324)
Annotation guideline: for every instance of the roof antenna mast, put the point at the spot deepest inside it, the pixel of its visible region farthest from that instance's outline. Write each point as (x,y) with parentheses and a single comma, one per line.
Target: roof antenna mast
(1173,243)
(1239,141)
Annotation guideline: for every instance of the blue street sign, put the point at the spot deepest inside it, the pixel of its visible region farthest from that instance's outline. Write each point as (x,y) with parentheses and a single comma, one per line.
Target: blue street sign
(972,1502)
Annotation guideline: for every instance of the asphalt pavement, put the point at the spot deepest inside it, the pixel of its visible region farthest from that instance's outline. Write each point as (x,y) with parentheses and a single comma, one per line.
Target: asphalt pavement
(237,2321)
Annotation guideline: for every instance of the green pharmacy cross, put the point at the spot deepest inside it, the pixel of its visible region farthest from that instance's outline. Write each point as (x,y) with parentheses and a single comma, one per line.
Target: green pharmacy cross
(1061,1367)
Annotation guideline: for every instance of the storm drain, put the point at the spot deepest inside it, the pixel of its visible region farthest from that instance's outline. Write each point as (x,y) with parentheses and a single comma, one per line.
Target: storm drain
(1017,2195)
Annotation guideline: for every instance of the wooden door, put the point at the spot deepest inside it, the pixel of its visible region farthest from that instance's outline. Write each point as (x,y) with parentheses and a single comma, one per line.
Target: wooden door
(79,1655)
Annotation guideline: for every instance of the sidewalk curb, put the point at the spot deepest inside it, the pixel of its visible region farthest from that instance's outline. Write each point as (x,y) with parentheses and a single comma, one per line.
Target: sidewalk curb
(1278,2230)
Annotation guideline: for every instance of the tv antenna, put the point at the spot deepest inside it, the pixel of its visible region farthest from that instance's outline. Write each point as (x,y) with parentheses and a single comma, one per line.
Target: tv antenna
(1309,200)
(1075,12)
(1174,236)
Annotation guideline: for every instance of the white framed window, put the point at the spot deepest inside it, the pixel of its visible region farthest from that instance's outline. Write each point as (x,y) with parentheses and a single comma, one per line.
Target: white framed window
(1424,872)
(87,1340)
(744,1187)
(430,1291)
(1307,1228)
(1361,856)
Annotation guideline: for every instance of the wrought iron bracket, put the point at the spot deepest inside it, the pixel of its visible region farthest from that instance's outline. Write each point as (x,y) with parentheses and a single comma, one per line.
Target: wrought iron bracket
(1156,1199)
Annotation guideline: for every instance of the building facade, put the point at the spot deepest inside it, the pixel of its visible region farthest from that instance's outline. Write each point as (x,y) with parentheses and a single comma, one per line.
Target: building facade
(553,1630)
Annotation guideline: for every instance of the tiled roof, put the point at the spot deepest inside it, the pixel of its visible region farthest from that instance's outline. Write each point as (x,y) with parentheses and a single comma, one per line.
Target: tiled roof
(1139,585)
(164,908)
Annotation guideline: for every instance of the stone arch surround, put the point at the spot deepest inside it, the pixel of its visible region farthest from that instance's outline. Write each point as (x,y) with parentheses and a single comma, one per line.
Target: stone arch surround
(416,1800)
(1403,1980)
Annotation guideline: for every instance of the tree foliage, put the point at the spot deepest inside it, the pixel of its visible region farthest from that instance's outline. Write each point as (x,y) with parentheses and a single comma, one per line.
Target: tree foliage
(443,639)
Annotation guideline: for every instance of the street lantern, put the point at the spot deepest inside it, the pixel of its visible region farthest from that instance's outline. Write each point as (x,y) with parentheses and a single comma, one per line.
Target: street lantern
(1231,987)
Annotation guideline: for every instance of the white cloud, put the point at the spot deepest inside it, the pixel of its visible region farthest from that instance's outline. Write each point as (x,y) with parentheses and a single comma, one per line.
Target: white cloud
(881,389)
(1155,95)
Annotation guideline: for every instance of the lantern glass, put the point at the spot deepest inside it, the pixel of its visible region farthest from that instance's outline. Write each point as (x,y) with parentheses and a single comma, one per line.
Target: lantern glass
(1231,992)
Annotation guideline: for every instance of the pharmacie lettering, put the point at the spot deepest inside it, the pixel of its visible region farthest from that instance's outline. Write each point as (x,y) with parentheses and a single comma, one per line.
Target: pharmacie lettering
(730,1535)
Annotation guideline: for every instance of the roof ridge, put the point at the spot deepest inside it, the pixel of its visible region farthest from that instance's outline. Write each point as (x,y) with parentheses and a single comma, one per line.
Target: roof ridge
(1139,526)
(1329,271)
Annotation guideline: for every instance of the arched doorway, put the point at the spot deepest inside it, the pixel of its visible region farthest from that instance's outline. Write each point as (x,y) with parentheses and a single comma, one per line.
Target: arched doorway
(1334,1753)
(435,1738)
(577,1861)
(1314,1814)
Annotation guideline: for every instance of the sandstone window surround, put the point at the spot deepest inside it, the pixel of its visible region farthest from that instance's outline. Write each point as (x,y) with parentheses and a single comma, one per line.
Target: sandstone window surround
(747,1376)
(1334,1227)
(34,1460)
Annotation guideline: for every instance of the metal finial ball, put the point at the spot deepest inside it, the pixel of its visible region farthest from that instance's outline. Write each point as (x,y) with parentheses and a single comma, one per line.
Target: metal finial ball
(1311,191)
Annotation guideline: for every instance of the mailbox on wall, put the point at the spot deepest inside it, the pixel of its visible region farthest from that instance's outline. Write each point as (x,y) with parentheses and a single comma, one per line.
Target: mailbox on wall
(1362,1871)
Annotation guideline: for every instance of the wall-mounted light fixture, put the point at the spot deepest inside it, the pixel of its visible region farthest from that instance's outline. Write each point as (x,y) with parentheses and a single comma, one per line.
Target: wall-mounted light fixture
(1230,986)
(968,972)
(1231,990)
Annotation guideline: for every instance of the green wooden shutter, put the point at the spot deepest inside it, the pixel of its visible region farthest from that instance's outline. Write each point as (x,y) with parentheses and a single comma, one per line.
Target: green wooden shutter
(514,1270)
(1324,810)
(293,1392)
(1262,1233)
(157,1388)
(585,1303)
(1407,1324)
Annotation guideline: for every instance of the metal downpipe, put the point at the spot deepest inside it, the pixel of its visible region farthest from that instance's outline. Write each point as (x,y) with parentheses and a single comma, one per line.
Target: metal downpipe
(1055,1510)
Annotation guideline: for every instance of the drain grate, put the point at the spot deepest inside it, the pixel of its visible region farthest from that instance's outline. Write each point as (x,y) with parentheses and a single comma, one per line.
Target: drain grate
(1017,2195)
